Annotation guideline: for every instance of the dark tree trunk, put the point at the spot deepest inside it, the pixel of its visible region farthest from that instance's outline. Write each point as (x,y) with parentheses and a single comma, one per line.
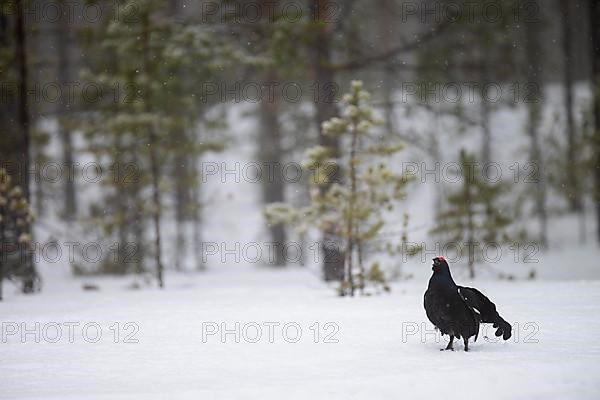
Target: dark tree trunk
(387,21)
(181,176)
(138,227)
(156,212)
(574,195)
(182,195)
(271,152)
(62,42)
(534,80)
(154,166)
(29,273)
(486,146)
(123,210)
(5,142)
(325,109)
(351,229)
(180,234)
(595,32)
(470,229)
(486,113)
(197,221)
(2,255)
(22,107)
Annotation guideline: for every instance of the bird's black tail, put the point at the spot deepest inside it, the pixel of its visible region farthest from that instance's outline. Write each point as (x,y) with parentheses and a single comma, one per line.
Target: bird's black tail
(487,310)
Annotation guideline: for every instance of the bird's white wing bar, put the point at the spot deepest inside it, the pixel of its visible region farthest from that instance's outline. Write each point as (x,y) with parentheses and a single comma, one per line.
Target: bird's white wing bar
(465,299)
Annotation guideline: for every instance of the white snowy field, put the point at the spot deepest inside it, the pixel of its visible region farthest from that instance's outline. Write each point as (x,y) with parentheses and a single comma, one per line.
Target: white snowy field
(380,352)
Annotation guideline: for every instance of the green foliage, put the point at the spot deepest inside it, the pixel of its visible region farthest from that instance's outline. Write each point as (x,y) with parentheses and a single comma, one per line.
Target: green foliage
(16,219)
(355,208)
(377,278)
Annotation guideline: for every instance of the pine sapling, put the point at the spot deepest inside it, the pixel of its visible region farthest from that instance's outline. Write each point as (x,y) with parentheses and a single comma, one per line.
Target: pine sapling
(355,208)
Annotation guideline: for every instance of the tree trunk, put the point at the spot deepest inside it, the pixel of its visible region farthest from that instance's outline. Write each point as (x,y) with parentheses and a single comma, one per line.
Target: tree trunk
(183,165)
(154,167)
(123,210)
(470,229)
(574,196)
(271,157)
(386,27)
(361,266)
(70,205)
(595,33)
(180,235)
(350,229)
(156,212)
(325,109)
(197,221)
(486,146)
(29,273)
(138,230)
(181,177)
(22,106)
(486,111)
(534,80)
(2,256)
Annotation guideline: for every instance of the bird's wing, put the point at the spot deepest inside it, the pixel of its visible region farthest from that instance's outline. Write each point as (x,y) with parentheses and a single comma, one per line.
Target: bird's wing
(486,309)
(474,312)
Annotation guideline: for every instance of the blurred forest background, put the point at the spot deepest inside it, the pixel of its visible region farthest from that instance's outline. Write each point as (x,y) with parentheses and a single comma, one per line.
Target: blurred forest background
(112,109)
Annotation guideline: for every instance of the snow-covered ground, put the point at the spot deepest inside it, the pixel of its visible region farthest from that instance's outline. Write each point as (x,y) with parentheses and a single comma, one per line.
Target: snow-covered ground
(367,347)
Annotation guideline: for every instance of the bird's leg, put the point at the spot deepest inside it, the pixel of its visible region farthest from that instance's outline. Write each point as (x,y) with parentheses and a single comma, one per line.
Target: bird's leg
(449,347)
(466,340)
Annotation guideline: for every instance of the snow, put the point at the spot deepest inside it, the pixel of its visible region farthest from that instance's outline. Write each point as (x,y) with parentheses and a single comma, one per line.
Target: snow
(553,354)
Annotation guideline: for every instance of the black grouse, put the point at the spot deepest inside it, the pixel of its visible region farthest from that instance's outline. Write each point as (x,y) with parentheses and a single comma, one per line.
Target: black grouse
(457,310)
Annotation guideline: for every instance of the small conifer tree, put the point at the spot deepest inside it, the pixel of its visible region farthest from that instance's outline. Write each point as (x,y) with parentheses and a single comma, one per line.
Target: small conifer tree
(356,207)
(15,229)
